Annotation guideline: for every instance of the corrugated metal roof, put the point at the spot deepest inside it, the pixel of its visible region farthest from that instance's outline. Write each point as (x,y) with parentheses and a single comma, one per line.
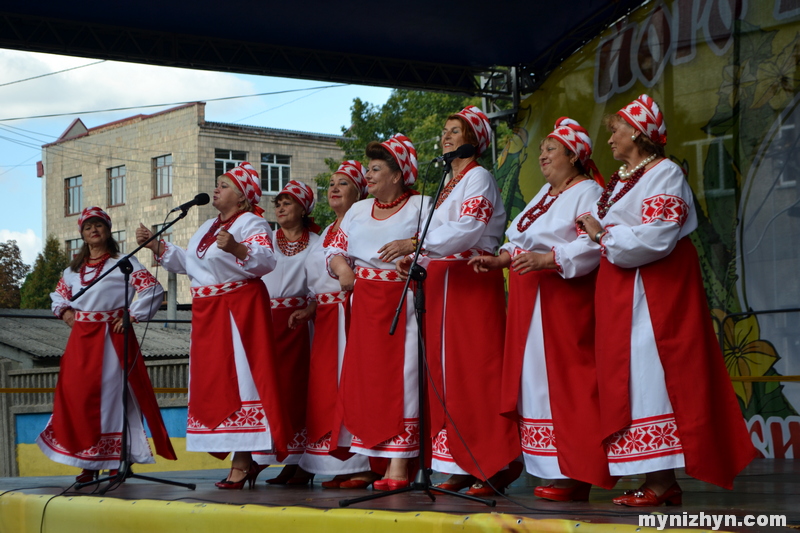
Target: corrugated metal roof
(47,336)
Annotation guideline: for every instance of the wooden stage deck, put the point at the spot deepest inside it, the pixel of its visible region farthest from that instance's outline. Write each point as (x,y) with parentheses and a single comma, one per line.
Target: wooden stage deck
(50,505)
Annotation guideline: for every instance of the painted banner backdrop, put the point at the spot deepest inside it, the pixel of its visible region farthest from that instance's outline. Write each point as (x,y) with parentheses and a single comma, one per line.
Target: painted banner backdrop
(726,76)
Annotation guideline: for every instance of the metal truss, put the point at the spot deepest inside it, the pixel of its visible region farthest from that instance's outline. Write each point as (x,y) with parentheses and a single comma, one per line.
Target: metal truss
(40,34)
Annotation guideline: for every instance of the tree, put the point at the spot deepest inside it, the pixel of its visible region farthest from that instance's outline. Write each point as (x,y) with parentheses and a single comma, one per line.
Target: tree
(12,273)
(47,270)
(417,114)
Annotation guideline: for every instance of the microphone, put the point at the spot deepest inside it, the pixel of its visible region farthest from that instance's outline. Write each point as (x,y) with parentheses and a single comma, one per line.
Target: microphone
(200,199)
(462,152)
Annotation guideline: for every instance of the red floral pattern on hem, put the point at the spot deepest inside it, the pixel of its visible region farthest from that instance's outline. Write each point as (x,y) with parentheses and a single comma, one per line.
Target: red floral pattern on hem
(441,449)
(408,441)
(537,436)
(108,448)
(645,438)
(249,418)
(321,447)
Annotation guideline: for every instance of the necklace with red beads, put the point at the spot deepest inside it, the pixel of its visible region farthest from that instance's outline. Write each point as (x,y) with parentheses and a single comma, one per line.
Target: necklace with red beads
(211,235)
(541,207)
(95,268)
(290,248)
(453,182)
(605,202)
(400,199)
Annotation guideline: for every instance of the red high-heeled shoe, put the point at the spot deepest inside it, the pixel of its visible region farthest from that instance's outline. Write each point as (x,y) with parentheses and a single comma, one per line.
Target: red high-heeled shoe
(336,482)
(500,481)
(645,497)
(250,476)
(355,484)
(86,476)
(579,492)
(455,486)
(390,484)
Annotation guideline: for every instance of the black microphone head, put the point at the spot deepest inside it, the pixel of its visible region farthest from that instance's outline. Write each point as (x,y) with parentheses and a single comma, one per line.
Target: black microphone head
(201,199)
(465,150)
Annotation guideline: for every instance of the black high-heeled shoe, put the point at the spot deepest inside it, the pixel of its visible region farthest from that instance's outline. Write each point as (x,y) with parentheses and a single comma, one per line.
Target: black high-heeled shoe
(250,476)
(286,474)
(301,477)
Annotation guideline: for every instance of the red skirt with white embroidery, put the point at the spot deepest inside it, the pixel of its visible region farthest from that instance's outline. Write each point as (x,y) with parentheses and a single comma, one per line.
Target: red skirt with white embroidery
(715,441)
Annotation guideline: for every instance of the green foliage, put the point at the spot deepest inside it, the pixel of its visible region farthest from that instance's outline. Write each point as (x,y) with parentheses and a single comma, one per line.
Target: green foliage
(768,400)
(12,273)
(418,115)
(47,270)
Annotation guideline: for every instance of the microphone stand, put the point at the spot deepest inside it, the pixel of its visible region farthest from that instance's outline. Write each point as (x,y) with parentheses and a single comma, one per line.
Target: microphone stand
(422,480)
(124,472)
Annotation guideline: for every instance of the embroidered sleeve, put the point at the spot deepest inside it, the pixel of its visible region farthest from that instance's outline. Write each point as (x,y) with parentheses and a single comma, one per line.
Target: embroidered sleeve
(664,207)
(338,246)
(339,241)
(478,207)
(61,298)
(579,228)
(557,259)
(163,251)
(143,280)
(259,239)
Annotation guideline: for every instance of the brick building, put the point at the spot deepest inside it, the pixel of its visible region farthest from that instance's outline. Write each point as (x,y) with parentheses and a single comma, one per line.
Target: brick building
(139,168)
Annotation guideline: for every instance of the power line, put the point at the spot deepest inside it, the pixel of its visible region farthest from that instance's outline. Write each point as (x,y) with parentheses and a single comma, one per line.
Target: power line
(54,115)
(53,73)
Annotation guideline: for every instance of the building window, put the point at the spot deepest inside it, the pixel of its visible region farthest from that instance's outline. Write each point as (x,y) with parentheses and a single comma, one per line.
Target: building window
(162,176)
(224,160)
(166,236)
(73,246)
(719,180)
(116,186)
(73,195)
(119,236)
(275,172)
(782,150)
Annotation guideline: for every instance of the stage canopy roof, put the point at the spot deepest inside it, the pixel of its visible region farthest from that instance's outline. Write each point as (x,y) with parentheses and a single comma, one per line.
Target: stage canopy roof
(416,44)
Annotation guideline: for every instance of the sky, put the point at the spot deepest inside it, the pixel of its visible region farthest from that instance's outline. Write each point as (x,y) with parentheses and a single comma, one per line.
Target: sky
(38,102)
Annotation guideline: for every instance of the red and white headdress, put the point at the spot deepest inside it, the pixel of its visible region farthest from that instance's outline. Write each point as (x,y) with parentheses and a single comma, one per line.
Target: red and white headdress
(405,154)
(572,135)
(246,178)
(93,212)
(480,125)
(644,115)
(302,193)
(357,174)
(575,137)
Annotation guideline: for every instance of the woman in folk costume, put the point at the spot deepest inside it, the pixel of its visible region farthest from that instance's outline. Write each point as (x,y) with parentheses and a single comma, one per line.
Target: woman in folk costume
(465,320)
(659,366)
(378,392)
(233,386)
(549,378)
(86,426)
(347,185)
(291,314)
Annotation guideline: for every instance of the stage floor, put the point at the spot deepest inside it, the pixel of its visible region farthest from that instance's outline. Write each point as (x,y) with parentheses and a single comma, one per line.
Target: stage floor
(766,487)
